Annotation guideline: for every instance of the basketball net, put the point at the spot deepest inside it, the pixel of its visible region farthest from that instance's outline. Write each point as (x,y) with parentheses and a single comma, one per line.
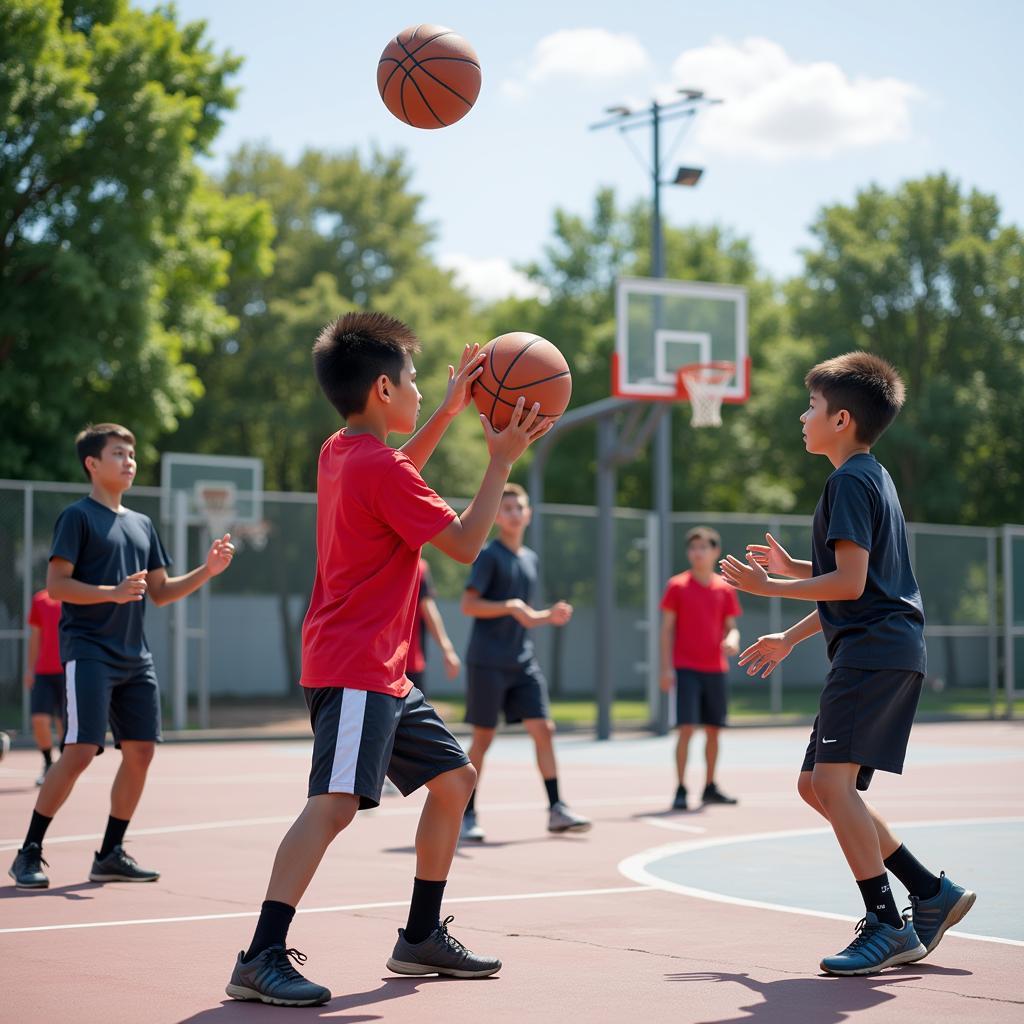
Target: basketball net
(216,504)
(705,384)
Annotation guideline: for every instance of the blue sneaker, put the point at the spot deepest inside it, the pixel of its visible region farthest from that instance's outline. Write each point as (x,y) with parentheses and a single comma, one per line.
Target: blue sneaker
(876,947)
(933,917)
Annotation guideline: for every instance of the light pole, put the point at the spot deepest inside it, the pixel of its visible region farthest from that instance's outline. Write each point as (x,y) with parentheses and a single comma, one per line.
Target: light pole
(692,101)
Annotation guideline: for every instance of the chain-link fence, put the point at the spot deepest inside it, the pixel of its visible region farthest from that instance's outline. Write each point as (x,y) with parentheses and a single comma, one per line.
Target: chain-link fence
(233,656)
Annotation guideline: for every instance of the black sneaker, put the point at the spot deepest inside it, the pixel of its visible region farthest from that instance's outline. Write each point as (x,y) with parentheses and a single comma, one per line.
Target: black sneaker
(27,869)
(271,978)
(679,801)
(713,795)
(440,953)
(118,866)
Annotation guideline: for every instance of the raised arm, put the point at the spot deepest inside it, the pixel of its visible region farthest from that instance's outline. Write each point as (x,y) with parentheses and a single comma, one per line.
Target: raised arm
(845,583)
(777,561)
(164,589)
(465,535)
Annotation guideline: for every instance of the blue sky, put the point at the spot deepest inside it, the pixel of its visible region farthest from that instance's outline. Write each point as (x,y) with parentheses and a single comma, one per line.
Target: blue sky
(821,99)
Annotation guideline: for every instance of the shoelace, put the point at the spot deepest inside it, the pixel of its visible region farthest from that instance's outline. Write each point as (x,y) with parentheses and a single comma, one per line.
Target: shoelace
(864,932)
(450,939)
(285,967)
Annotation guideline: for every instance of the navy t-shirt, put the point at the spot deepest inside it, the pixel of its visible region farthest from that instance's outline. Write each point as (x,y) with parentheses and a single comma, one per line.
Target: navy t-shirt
(884,627)
(105,546)
(500,574)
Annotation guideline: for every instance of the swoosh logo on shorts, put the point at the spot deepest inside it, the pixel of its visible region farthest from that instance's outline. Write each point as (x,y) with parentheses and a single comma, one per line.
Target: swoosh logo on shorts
(829,741)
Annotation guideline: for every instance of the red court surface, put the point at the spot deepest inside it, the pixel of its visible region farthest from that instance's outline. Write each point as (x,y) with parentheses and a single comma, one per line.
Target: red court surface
(581,938)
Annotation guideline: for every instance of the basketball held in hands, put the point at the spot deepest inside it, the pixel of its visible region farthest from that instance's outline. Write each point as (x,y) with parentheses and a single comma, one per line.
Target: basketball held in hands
(522,365)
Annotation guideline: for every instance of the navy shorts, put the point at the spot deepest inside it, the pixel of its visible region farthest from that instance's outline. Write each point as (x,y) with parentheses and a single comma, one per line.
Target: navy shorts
(126,696)
(47,696)
(702,698)
(521,693)
(360,736)
(864,718)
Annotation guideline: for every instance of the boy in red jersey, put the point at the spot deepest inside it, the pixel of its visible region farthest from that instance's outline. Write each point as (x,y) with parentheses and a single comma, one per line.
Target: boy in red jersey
(45,675)
(374,513)
(698,634)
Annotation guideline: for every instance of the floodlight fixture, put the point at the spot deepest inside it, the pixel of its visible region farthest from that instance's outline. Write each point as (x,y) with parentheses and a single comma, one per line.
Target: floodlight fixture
(691,94)
(618,110)
(688,176)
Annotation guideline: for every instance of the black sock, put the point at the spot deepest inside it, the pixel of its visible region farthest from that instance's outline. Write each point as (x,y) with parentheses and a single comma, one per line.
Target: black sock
(114,836)
(471,806)
(879,900)
(920,882)
(551,785)
(271,928)
(424,910)
(47,756)
(37,828)
(680,790)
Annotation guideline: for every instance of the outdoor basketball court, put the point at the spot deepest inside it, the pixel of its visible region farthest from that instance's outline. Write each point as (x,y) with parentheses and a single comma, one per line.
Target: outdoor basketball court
(715,915)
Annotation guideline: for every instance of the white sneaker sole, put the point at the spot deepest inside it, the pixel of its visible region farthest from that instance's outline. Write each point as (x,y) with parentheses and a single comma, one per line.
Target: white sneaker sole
(244,994)
(418,970)
(908,957)
(34,885)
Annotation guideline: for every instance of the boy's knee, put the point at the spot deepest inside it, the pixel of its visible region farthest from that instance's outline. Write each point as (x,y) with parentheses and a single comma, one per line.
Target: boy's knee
(76,757)
(686,731)
(482,738)
(455,785)
(829,786)
(805,787)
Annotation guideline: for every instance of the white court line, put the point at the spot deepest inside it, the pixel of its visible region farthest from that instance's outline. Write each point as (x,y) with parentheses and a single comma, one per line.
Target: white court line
(561,894)
(636,868)
(379,812)
(673,826)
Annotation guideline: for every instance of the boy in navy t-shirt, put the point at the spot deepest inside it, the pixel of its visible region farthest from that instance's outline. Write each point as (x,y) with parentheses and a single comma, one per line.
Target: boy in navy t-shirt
(105,561)
(869,608)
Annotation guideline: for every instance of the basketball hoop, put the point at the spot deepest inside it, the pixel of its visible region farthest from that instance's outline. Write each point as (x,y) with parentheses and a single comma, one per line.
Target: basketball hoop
(215,502)
(705,385)
(253,535)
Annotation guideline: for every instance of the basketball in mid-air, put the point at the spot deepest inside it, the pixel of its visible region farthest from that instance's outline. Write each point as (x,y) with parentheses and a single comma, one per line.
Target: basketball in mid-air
(522,365)
(428,76)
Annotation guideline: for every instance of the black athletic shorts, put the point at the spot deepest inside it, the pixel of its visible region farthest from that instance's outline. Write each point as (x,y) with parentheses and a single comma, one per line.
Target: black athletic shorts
(520,693)
(702,698)
(126,696)
(864,717)
(360,736)
(47,696)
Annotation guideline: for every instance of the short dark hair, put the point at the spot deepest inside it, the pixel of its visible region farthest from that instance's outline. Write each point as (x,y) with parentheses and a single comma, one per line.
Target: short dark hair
(351,352)
(704,533)
(92,441)
(866,385)
(512,490)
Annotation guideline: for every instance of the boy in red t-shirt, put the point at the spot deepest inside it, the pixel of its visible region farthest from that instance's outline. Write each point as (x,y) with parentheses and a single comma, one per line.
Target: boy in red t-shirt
(374,513)
(45,675)
(698,634)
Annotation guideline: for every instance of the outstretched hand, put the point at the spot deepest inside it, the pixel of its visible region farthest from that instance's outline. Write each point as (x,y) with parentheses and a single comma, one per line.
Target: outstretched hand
(761,657)
(772,556)
(220,554)
(750,577)
(460,380)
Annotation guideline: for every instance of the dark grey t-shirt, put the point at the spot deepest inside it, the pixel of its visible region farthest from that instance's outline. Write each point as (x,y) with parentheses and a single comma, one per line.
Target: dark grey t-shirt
(500,574)
(105,546)
(884,627)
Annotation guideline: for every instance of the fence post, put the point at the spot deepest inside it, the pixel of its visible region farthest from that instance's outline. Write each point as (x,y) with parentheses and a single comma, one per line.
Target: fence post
(26,599)
(993,626)
(1009,615)
(180,614)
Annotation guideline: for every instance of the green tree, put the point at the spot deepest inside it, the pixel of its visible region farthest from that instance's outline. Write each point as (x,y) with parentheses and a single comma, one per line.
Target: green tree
(929,277)
(113,245)
(349,235)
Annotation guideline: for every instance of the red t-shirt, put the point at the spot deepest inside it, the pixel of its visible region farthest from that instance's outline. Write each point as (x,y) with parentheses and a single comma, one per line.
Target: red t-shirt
(701,612)
(374,513)
(45,616)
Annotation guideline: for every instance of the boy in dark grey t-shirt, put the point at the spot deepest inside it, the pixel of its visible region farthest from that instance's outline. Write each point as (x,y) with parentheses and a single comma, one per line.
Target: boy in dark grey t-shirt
(869,608)
(105,560)
(502,674)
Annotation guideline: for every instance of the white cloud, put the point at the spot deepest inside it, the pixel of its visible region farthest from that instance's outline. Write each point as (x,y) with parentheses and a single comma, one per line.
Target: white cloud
(584,54)
(776,108)
(491,278)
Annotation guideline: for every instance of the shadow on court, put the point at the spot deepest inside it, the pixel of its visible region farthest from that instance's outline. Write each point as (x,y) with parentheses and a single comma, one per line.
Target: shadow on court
(388,990)
(68,892)
(495,844)
(822,999)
